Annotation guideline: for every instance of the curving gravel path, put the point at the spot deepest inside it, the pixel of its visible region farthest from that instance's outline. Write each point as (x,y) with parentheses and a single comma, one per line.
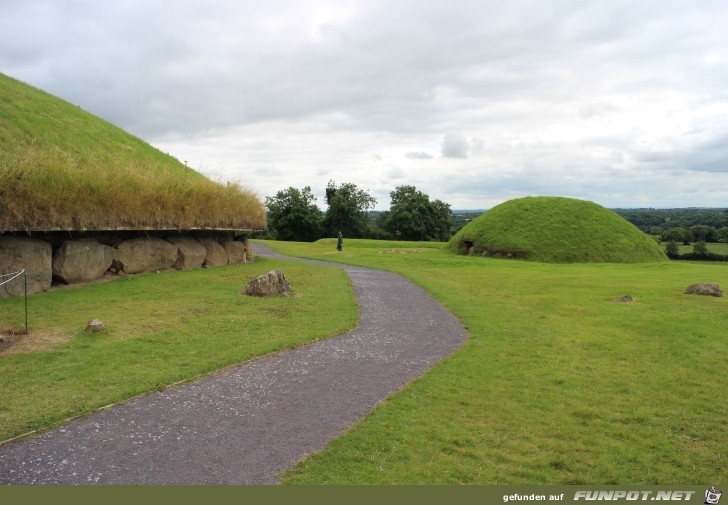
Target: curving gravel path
(247,423)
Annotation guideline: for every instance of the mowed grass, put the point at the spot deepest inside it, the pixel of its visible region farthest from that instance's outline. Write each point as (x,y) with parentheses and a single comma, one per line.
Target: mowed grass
(557,383)
(161,329)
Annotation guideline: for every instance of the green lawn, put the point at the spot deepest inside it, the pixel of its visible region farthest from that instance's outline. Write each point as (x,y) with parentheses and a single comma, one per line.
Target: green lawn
(557,383)
(161,329)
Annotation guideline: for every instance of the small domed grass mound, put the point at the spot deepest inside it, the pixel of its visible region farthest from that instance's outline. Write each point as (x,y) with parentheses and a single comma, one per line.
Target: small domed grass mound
(556,230)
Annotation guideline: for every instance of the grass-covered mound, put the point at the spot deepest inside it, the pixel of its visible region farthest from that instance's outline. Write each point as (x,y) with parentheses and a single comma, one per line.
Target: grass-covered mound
(558,230)
(63,168)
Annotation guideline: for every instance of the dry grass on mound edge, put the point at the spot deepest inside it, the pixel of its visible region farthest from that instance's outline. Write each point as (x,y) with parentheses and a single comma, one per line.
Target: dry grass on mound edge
(42,188)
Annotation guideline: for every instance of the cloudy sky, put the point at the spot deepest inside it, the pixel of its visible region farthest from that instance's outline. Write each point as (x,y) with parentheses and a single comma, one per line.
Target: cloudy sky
(474,102)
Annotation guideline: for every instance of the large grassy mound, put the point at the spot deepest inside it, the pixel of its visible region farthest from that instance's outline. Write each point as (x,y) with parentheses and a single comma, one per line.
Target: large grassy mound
(63,168)
(558,230)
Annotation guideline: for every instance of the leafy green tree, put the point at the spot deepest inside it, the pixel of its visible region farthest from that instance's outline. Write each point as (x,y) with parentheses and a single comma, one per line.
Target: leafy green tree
(673,235)
(413,217)
(347,210)
(443,220)
(293,215)
(704,232)
(683,235)
(723,234)
(700,249)
(671,249)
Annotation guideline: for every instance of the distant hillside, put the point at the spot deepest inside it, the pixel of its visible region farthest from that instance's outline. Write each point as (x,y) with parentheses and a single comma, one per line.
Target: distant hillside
(63,168)
(555,229)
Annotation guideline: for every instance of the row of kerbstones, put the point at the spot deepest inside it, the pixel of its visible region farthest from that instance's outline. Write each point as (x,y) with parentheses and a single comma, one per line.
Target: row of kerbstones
(85,260)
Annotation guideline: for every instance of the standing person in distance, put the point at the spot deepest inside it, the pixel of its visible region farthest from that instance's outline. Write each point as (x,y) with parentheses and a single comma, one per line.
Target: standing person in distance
(339,242)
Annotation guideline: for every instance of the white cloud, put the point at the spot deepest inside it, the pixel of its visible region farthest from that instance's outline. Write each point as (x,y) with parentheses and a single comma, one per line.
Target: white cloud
(619,102)
(420,155)
(455,145)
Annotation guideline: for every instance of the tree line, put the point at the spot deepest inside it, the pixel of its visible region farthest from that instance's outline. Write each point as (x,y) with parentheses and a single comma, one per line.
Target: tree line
(659,221)
(294,215)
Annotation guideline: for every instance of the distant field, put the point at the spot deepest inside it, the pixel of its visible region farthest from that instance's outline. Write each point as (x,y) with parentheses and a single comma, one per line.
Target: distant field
(557,383)
(716,248)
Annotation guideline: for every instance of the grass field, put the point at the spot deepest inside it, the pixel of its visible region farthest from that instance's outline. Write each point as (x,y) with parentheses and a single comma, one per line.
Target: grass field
(557,383)
(161,329)
(713,247)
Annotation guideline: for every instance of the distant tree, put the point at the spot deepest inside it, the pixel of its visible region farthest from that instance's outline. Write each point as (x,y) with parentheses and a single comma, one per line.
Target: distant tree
(347,210)
(704,232)
(673,235)
(443,220)
(671,249)
(700,249)
(683,235)
(723,234)
(293,215)
(413,217)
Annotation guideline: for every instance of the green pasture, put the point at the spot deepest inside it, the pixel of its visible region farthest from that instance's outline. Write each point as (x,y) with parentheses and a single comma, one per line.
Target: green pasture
(713,247)
(161,329)
(557,383)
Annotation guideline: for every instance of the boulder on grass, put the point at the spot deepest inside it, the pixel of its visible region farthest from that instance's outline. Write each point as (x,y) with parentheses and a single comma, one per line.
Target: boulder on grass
(191,253)
(703,289)
(273,283)
(141,255)
(81,260)
(35,256)
(215,253)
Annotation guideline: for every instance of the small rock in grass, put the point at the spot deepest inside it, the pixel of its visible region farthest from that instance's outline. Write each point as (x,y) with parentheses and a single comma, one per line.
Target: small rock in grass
(623,299)
(273,283)
(95,326)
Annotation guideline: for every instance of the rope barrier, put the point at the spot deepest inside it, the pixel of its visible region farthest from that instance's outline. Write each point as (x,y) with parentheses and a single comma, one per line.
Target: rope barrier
(14,274)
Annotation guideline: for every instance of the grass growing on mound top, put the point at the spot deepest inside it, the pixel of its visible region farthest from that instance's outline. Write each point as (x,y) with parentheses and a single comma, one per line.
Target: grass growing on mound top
(61,167)
(557,230)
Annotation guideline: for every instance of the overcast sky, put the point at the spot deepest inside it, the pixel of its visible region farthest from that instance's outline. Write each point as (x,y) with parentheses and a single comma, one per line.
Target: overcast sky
(624,103)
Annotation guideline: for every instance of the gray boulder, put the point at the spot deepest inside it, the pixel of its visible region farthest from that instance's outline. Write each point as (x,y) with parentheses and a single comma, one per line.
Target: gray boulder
(35,256)
(235,251)
(703,289)
(191,254)
(95,326)
(273,283)
(216,255)
(141,255)
(81,260)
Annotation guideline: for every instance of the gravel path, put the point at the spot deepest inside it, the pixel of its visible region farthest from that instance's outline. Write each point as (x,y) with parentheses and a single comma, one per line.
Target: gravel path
(247,423)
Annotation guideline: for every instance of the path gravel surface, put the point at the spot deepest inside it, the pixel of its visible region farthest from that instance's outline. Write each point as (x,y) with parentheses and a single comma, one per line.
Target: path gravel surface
(247,423)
